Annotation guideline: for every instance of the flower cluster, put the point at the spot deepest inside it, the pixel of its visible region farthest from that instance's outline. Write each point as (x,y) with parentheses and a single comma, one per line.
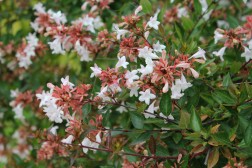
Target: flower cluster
(239,37)
(79,36)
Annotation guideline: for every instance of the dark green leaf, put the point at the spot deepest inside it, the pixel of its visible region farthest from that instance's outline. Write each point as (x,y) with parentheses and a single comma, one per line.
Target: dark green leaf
(227,80)
(137,120)
(222,96)
(248,134)
(166,103)
(195,120)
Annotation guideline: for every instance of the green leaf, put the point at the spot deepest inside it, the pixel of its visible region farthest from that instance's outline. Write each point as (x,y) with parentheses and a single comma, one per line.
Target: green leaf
(166,103)
(248,134)
(222,96)
(146,6)
(178,31)
(187,23)
(227,80)
(221,138)
(184,120)
(141,138)
(233,22)
(197,6)
(137,120)
(185,160)
(249,89)
(86,109)
(207,97)
(195,120)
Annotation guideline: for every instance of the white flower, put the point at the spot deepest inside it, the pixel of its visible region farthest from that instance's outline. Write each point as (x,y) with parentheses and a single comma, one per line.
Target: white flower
(183,65)
(145,70)
(182,12)
(65,81)
(169,117)
(131,76)
(220,53)
(53,112)
(204,8)
(146,34)
(12,65)
(247,54)
(98,22)
(217,36)
(86,142)
(82,51)
(134,90)
(24,61)
(44,98)
(39,8)
(68,140)
(122,109)
(53,130)
(14,93)
(166,87)
(158,47)
(32,40)
(146,96)
(207,15)
(176,91)
(151,109)
(114,88)
(96,71)
(222,23)
(84,5)
(89,22)
(153,23)
(204,5)
(199,54)
(56,46)
(119,32)
(195,73)
(122,62)
(58,17)
(250,44)
(146,52)
(102,94)
(138,9)
(35,26)
(183,83)
(66,44)
(29,51)
(18,112)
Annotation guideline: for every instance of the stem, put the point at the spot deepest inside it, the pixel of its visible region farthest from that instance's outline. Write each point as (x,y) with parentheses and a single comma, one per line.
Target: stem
(244,65)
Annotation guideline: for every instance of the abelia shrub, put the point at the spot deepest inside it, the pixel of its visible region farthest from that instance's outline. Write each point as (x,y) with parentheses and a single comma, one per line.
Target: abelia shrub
(129,84)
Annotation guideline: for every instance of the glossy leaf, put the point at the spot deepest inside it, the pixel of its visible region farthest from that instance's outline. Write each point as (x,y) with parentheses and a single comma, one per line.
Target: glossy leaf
(166,103)
(195,120)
